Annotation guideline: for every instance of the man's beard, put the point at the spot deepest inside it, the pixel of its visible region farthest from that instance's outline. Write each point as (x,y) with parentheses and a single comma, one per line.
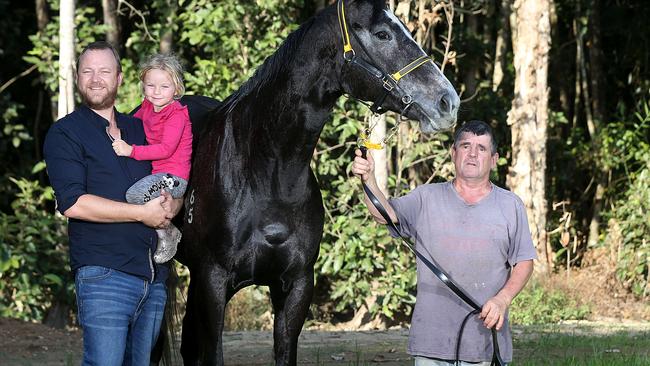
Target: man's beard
(99,102)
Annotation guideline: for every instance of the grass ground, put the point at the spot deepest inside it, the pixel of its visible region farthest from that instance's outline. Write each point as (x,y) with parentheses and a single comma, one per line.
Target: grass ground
(571,343)
(554,348)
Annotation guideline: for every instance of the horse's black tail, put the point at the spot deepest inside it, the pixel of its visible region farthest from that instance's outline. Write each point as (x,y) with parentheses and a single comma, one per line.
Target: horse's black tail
(165,349)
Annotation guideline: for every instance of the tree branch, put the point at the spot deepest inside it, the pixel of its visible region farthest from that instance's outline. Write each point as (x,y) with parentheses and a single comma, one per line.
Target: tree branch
(13,79)
(138,13)
(449,15)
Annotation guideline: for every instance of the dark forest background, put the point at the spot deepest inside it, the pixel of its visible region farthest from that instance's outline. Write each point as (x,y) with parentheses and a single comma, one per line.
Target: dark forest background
(596,140)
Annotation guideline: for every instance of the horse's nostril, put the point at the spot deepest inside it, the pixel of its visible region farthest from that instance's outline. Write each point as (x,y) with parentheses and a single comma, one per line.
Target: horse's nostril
(448,103)
(444,104)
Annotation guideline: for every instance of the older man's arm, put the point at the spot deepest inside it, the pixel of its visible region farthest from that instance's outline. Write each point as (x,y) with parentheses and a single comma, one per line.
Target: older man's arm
(494,310)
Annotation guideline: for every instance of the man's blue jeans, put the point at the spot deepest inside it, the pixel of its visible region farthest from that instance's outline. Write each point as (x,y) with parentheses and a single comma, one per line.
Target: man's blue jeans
(120,315)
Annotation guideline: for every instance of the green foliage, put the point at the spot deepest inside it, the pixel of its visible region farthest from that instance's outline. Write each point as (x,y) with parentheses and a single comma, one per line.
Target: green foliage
(624,143)
(222,42)
(539,305)
(33,257)
(633,217)
(629,144)
(45,51)
(228,39)
(13,132)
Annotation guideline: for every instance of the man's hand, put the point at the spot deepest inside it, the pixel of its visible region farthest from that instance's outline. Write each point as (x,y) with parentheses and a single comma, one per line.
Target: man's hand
(363,168)
(121,148)
(494,312)
(170,203)
(154,214)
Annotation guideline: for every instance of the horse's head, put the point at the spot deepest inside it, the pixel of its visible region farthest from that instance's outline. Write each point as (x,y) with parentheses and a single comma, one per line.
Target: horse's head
(384,65)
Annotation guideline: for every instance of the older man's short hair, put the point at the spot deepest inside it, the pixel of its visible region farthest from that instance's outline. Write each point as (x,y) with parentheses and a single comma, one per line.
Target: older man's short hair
(478,128)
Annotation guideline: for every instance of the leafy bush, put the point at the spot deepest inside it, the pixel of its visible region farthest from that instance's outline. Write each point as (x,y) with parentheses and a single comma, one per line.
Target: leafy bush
(630,213)
(539,305)
(34,270)
(230,38)
(633,217)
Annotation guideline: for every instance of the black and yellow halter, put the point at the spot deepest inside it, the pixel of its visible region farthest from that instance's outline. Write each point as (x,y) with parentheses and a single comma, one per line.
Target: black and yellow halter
(390,81)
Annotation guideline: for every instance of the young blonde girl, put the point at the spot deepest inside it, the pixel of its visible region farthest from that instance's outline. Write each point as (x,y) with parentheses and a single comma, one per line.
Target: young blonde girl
(169,136)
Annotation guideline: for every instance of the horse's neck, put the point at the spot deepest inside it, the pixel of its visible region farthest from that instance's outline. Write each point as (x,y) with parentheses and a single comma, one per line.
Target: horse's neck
(284,117)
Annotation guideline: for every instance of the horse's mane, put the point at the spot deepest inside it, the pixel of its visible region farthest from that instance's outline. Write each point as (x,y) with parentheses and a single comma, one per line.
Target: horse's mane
(274,65)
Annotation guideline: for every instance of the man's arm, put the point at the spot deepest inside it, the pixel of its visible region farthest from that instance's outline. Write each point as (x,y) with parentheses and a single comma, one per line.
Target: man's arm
(93,208)
(365,169)
(494,310)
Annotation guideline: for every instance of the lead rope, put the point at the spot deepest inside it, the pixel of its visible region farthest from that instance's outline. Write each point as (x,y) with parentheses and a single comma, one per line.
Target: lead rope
(442,276)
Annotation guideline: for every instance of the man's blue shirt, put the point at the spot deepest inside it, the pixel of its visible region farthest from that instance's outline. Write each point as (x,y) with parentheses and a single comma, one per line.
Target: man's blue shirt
(80,160)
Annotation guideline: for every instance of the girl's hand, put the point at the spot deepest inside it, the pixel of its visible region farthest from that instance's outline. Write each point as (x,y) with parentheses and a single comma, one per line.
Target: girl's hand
(122,148)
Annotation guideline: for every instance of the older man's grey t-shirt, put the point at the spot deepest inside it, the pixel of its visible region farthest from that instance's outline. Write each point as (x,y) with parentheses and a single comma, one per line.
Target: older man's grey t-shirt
(475,244)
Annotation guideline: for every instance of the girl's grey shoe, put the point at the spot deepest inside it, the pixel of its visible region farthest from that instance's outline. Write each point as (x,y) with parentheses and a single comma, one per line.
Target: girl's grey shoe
(168,240)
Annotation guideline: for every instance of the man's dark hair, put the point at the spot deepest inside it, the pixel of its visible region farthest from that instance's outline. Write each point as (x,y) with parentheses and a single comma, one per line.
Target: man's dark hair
(102,45)
(478,128)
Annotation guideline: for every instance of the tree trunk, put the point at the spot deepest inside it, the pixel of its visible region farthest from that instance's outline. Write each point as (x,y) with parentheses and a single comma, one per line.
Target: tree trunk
(42,17)
(471,64)
(66,57)
(421,32)
(584,86)
(501,45)
(528,116)
(378,134)
(167,38)
(596,63)
(598,109)
(112,22)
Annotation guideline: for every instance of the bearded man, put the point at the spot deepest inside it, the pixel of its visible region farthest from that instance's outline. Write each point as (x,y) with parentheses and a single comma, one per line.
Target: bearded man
(120,291)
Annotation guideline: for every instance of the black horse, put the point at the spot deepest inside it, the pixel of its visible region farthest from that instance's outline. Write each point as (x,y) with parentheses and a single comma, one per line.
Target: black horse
(253,211)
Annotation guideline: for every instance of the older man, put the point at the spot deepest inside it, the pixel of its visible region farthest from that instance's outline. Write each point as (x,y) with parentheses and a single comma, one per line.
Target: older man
(478,234)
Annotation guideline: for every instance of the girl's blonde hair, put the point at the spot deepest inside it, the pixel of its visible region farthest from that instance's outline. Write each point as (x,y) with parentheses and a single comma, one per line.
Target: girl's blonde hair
(169,63)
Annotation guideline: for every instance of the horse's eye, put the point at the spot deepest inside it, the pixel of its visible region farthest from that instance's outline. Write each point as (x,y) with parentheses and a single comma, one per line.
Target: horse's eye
(384,36)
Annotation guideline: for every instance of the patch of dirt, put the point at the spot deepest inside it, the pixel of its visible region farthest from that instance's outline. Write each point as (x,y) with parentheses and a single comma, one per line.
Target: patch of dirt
(595,285)
(613,309)
(23,343)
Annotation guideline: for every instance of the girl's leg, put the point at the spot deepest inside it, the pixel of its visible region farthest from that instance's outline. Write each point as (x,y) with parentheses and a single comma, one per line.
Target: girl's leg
(150,186)
(168,239)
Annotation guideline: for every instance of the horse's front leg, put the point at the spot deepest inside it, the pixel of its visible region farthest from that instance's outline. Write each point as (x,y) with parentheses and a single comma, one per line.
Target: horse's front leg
(202,342)
(290,309)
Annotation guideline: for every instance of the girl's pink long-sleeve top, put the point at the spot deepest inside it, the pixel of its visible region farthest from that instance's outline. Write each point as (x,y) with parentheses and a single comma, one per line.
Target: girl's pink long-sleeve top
(169,134)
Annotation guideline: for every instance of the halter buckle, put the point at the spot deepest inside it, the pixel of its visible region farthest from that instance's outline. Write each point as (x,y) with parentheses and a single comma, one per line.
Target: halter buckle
(388,83)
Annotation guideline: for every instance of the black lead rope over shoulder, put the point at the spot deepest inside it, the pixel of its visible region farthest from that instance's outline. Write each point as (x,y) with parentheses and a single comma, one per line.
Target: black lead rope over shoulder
(442,276)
